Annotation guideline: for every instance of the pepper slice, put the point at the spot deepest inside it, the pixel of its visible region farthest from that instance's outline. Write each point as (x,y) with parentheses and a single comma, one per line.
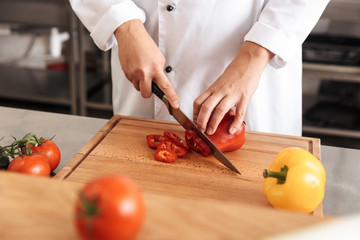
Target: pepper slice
(176,139)
(164,155)
(154,140)
(196,143)
(171,146)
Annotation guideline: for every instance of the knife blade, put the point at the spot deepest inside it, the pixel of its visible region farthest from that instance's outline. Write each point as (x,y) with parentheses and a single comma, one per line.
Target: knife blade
(184,121)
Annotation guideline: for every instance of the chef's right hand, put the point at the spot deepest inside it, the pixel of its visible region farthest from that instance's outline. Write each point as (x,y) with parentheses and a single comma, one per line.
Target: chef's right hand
(142,60)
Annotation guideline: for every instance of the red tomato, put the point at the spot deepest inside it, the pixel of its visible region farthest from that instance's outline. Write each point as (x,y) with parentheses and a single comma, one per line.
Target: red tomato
(165,155)
(34,165)
(171,146)
(49,150)
(154,140)
(110,207)
(176,139)
(196,143)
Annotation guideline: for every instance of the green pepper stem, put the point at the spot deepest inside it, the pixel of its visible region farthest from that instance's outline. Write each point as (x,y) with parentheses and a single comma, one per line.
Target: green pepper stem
(280,176)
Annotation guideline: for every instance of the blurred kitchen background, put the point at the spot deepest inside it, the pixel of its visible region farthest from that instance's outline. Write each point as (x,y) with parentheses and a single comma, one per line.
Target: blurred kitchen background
(48,62)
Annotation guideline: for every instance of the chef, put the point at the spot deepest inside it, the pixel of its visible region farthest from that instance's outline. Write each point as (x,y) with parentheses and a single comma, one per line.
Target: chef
(207,56)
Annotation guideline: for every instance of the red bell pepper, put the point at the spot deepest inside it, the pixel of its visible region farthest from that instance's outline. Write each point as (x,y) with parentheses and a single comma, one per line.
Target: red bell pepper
(154,140)
(223,139)
(176,139)
(171,146)
(196,143)
(168,146)
(164,155)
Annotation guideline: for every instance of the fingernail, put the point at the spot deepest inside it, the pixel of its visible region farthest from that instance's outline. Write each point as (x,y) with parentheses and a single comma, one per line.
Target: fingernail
(209,131)
(232,130)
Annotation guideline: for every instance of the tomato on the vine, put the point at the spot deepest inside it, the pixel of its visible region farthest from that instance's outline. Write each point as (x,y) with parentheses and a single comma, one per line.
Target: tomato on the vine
(33,164)
(49,150)
(110,207)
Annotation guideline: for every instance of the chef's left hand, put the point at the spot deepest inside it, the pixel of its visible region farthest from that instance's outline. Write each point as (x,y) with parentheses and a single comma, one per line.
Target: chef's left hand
(234,87)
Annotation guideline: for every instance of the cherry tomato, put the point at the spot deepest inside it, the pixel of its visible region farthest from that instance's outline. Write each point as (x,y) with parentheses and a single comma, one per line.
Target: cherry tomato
(154,140)
(109,207)
(49,150)
(196,143)
(165,155)
(171,146)
(35,165)
(176,139)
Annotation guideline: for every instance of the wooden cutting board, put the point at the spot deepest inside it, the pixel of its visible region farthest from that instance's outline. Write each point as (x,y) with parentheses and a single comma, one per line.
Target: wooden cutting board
(43,209)
(120,148)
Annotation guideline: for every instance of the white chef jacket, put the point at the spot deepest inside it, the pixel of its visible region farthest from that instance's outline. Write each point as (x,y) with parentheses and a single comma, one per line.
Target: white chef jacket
(199,38)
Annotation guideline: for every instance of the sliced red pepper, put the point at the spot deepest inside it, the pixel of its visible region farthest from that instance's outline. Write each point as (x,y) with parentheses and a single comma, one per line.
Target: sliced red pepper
(204,149)
(196,143)
(164,155)
(171,146)
(176,139)
(154,140)
(190,137)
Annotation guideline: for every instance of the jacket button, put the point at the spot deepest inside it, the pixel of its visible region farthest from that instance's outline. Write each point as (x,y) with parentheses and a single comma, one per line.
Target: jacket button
(169,8)
(168,69)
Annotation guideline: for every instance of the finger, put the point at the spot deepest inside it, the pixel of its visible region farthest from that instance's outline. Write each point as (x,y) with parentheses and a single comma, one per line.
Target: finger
(218,114)
(197,104)
(136,84)
(239,116)
(145,88)
(164,84)
(206,110)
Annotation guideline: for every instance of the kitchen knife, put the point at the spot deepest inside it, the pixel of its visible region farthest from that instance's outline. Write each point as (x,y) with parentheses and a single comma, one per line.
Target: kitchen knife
(188,124)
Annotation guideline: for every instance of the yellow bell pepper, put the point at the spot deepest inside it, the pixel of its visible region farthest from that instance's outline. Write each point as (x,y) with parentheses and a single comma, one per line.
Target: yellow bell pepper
(295,181)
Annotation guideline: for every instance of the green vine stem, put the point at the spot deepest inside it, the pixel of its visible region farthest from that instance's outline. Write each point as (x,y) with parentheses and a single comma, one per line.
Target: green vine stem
(280,176)
(20,147)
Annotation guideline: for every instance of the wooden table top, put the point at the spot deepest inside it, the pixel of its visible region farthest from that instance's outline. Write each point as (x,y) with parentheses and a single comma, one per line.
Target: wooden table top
(194,198)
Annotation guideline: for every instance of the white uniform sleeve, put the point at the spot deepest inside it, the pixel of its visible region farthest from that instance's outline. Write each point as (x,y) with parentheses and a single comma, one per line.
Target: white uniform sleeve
(102,17)
(283,26)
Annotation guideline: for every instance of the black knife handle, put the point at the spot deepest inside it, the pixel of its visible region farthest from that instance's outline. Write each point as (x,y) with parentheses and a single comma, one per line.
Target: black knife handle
(155,89)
